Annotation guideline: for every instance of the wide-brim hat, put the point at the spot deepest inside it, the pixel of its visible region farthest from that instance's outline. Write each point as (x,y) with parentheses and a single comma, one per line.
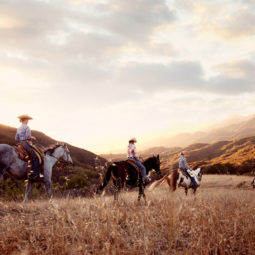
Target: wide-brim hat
(133,140)
(25,117)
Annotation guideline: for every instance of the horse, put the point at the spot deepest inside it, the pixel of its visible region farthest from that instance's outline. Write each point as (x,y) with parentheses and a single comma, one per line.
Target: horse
(179,179)
(125,174)
(11,163)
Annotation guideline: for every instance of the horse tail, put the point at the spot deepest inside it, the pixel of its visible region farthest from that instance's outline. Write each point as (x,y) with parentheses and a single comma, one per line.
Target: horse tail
(174,179)
(107,176)
(160,181)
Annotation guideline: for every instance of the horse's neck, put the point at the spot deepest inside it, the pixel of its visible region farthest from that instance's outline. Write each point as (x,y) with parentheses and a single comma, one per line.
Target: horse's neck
(148,164)
(197,171)
(53,158)
(57,152)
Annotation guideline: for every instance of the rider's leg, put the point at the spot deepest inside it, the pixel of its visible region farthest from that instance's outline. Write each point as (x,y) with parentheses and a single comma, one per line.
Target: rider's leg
(193,180)
(144,174)
(35,163)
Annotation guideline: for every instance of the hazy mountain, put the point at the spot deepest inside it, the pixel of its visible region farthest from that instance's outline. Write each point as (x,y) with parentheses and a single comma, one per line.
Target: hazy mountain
(231,128)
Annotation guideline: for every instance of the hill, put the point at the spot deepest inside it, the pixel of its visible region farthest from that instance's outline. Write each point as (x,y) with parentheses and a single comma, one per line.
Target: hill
(233,157)
(81,157)
(70,179)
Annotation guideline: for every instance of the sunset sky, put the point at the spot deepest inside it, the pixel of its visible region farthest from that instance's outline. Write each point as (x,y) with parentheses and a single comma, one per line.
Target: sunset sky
(95,73)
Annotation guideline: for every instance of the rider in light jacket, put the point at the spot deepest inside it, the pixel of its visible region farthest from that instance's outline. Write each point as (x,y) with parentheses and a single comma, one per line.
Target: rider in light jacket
(132,154)
(183,164)
(23,136)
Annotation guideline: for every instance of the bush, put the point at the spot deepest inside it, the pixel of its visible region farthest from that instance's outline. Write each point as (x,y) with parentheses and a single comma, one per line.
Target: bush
(77,182)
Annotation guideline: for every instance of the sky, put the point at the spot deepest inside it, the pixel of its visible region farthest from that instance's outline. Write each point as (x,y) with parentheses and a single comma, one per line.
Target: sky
(96,73)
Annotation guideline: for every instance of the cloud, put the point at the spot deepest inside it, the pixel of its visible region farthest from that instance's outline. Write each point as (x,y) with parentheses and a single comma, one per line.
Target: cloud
(220,19)
(188,76)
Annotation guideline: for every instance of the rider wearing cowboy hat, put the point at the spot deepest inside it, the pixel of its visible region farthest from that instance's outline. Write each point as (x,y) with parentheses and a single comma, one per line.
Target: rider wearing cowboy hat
(132,154)
(183,164)
(23,136)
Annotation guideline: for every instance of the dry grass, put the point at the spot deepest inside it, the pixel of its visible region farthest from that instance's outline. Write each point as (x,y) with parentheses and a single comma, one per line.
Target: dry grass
(217,221)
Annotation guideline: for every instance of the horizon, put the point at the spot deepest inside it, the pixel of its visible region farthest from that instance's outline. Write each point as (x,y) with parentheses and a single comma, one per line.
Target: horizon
(154,143)
(96,73)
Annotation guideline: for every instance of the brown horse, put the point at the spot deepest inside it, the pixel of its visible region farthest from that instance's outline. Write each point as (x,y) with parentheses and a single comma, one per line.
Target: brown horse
(125,174)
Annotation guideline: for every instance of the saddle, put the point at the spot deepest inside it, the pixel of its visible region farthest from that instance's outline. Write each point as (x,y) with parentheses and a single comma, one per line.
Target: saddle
(23,154)
(133,163)
(184,172)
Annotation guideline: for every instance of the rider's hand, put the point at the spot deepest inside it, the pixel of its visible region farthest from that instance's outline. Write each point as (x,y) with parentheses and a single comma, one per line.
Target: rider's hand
(33,138)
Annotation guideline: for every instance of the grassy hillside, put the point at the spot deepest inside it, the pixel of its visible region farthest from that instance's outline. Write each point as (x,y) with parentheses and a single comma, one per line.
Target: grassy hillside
(219,220)
(77,177)
(234,157)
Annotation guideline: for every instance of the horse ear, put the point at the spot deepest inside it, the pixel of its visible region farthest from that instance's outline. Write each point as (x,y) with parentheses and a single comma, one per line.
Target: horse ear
(158,156)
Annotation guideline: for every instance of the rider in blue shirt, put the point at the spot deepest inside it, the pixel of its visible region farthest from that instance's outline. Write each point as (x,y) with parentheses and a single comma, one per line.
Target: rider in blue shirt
(183,164)
(23,136)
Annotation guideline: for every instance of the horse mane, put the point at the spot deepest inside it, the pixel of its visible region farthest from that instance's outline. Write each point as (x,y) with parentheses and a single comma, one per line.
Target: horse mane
(51,149)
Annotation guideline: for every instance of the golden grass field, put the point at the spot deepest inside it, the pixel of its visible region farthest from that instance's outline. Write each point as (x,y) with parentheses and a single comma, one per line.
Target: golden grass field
(220,219)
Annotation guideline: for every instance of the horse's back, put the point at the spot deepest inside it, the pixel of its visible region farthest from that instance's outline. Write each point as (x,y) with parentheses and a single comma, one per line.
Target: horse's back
(5,148)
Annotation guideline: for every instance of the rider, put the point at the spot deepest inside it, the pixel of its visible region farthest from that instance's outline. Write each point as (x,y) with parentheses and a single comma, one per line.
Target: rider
(132,154)
(183,164)
(23,136)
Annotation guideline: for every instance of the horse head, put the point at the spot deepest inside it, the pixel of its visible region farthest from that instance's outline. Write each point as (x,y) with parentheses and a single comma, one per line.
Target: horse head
(61,152)
(156,164)
(199,174)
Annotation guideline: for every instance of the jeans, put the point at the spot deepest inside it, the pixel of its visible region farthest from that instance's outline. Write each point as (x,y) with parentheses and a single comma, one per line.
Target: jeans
(193,180)
(35,163)
(140,164)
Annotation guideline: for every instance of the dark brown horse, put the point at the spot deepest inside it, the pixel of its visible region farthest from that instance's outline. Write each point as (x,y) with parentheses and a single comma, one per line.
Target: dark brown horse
(125,174)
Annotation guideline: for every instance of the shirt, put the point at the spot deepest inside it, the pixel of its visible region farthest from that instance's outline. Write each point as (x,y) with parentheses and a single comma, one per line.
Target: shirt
(131,151)
(183,163)
(23,133)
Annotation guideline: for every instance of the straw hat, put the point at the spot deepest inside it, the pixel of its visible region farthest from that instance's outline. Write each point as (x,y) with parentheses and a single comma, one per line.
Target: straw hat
(133,140)
(24,117)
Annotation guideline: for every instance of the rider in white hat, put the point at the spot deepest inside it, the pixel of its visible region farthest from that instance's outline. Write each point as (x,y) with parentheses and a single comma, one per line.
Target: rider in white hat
(132,154)
(24,137)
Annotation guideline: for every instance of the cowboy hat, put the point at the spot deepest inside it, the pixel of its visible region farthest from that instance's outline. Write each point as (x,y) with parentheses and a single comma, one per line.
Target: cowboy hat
(133,140)
(24,117)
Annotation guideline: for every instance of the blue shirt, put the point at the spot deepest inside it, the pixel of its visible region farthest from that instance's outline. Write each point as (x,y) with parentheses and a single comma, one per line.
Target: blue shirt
(183,163)
(23,133)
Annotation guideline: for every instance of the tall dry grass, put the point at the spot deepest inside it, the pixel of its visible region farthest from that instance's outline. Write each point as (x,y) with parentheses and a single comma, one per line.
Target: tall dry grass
(215,221)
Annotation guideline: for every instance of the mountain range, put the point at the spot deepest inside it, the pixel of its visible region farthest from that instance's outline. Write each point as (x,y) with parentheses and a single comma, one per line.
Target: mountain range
(231,128)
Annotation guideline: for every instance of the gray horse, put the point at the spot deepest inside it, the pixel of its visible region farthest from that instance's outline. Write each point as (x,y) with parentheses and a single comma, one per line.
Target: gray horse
(10,162)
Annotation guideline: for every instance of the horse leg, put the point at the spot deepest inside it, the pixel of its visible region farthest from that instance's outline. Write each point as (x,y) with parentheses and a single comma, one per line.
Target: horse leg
(48,188)
(141,190)
(186,191)
(194,191)
(28,190)
(2,171)
(117,188)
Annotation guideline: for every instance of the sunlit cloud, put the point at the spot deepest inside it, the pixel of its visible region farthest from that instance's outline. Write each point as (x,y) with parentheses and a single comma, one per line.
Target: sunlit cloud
(94,73)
